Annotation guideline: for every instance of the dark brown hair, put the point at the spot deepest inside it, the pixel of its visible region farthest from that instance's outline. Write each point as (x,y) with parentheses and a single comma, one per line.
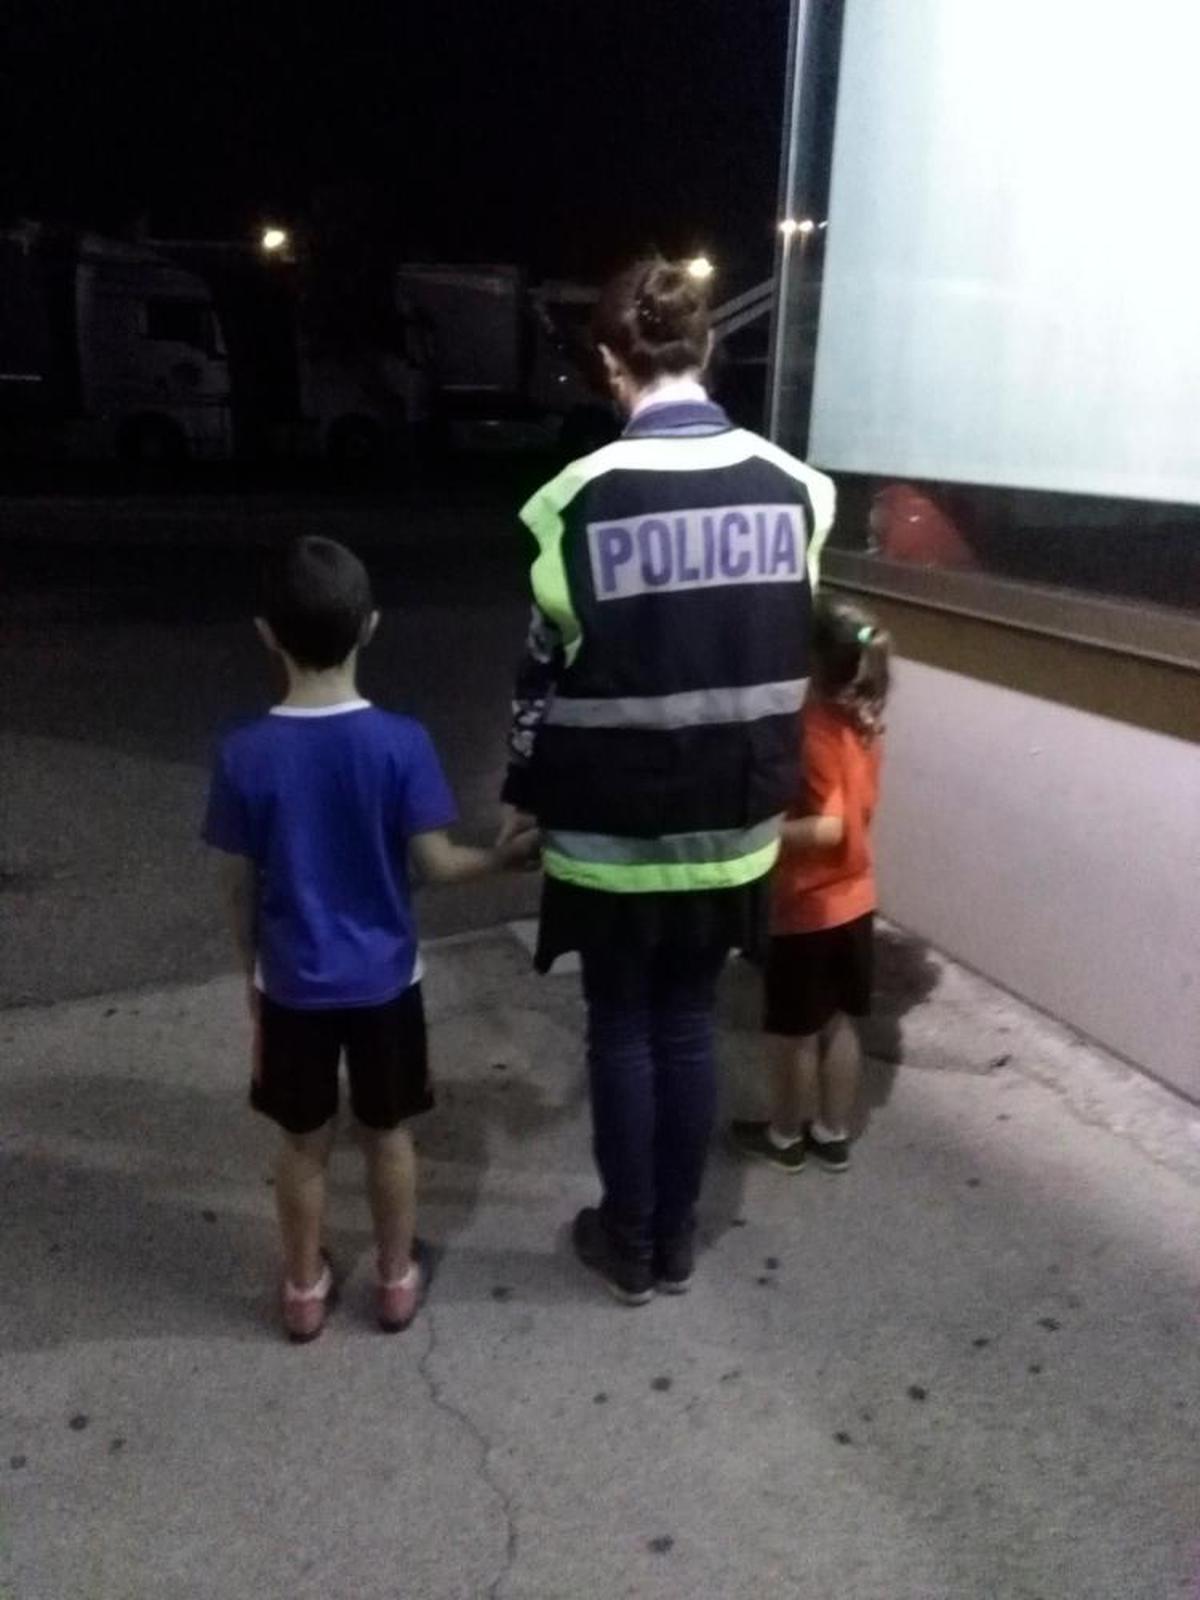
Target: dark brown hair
(654,317)
(317,597)
(851,660)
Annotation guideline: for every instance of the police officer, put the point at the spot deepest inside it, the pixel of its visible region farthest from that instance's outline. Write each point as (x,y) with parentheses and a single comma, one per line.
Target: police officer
(654,740)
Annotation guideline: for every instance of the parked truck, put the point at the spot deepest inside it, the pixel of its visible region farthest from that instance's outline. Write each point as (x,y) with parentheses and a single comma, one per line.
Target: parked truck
(511,362)
(108,351)
(310,377)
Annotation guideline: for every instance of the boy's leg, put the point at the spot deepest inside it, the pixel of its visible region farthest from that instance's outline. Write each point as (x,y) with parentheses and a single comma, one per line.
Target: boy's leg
(387,1060)
(796,1006)
(392,1191)
(840,1074)
(300,1202)
(851,959)
(794,1085)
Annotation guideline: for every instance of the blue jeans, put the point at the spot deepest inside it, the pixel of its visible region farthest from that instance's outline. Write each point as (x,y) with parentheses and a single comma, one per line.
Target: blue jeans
(652,1068)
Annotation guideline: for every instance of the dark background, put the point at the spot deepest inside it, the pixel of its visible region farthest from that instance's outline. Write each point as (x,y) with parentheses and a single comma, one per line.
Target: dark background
(563,134)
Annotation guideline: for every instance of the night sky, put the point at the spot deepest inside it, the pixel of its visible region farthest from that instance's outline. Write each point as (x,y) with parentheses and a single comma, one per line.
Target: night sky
(562,133)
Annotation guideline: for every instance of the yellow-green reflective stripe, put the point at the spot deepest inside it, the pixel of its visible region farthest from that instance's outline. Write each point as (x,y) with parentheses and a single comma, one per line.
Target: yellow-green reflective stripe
(667,849)
(543,517)
(661,877)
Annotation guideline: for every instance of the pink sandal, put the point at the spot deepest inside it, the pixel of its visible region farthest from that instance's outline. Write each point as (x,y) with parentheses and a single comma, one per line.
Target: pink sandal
(398,1302)
(305,1310)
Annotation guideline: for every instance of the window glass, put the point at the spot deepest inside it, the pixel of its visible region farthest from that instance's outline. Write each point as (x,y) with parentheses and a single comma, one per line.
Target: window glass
(180,322)
(990,324)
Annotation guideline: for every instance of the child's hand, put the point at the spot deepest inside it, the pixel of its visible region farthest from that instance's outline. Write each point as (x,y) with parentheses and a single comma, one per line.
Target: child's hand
(512,823)
(521,851)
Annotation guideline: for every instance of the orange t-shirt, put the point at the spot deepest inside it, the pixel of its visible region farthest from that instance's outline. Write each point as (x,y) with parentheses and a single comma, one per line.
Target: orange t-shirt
(815,889)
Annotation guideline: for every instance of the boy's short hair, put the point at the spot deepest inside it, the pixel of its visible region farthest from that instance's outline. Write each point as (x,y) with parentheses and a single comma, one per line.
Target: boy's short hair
(317,600)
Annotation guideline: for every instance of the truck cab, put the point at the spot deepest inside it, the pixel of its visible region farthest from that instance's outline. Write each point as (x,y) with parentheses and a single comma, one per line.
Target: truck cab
(108,351)
(509,361)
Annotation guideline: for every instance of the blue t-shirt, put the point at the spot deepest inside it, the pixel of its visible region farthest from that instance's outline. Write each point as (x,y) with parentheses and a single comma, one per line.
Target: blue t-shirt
(324,802)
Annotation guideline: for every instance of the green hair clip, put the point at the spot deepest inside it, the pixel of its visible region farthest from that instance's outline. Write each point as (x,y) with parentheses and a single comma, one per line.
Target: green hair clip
(865,634)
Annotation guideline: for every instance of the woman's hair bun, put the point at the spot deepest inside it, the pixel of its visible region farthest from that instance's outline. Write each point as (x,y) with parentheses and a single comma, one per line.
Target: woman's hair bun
(668,302)
(654,316)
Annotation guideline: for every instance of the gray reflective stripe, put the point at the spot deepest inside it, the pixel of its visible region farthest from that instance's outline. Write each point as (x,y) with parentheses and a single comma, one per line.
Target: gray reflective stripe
(696,708)
(714,844)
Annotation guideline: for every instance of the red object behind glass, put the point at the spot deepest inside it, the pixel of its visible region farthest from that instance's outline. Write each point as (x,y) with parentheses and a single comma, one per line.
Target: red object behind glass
(909,524)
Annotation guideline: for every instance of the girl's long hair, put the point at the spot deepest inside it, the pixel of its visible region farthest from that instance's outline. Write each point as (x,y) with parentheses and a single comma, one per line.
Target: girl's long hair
(851,661)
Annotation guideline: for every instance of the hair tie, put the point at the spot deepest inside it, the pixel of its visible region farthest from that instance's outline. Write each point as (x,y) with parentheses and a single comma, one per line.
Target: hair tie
(865,634)
(649,319)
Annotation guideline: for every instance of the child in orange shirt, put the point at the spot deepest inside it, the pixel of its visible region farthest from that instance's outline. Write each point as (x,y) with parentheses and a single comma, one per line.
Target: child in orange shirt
(819,964)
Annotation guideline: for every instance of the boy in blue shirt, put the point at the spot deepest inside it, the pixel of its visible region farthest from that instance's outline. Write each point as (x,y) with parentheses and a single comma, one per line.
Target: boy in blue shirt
(317,808)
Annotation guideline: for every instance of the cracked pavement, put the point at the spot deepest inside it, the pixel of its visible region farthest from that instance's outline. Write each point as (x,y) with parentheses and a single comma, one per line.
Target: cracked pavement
(967,1370)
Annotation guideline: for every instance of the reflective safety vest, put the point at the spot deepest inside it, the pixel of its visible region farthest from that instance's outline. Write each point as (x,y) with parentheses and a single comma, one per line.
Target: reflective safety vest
(677,565)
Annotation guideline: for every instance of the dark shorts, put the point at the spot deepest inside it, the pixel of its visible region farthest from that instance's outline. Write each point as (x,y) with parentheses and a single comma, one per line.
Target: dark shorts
(297,1054)
(810,977)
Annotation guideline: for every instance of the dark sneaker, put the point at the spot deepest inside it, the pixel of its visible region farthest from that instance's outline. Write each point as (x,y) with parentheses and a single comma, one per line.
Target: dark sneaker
(675,1266)
(833,1154)
(631,1282)
(754,1139)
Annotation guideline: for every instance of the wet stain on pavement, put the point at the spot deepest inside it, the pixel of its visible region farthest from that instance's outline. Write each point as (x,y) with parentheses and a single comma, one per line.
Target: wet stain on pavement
(1051,1324)
(600,1399)
(981,1343)
(1034,1368)
(772,1263)
(842,1437)
(209,1216)
(115,1446)
(732,1375)
(499,1066)
(973,1183)
(661,1385)
(79,1422)
(662,1545)
(17,1462)
(501,1292)
(917,1391)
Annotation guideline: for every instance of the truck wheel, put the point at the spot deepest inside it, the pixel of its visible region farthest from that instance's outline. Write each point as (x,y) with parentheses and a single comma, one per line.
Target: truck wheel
(152,442)
(355,442)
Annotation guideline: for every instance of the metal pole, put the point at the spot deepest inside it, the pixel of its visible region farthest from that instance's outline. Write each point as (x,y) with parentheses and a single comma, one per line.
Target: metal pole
(796,91)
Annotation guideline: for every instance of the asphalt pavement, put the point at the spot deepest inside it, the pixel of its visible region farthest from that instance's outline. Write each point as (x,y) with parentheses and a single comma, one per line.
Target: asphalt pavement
(966,1370)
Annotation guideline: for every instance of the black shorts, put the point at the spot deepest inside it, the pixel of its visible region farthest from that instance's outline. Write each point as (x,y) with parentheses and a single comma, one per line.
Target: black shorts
(297,1053)
(810,977)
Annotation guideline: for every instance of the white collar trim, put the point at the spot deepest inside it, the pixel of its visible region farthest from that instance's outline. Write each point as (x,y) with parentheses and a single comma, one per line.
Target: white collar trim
(675,392)
(320,711)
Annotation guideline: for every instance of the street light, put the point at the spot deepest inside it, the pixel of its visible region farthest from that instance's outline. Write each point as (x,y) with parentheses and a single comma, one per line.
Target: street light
(789,227)
(274,240)
(700,268)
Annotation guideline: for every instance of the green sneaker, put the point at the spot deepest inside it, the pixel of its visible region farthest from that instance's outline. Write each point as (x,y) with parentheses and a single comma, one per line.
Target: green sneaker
(754,1139)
